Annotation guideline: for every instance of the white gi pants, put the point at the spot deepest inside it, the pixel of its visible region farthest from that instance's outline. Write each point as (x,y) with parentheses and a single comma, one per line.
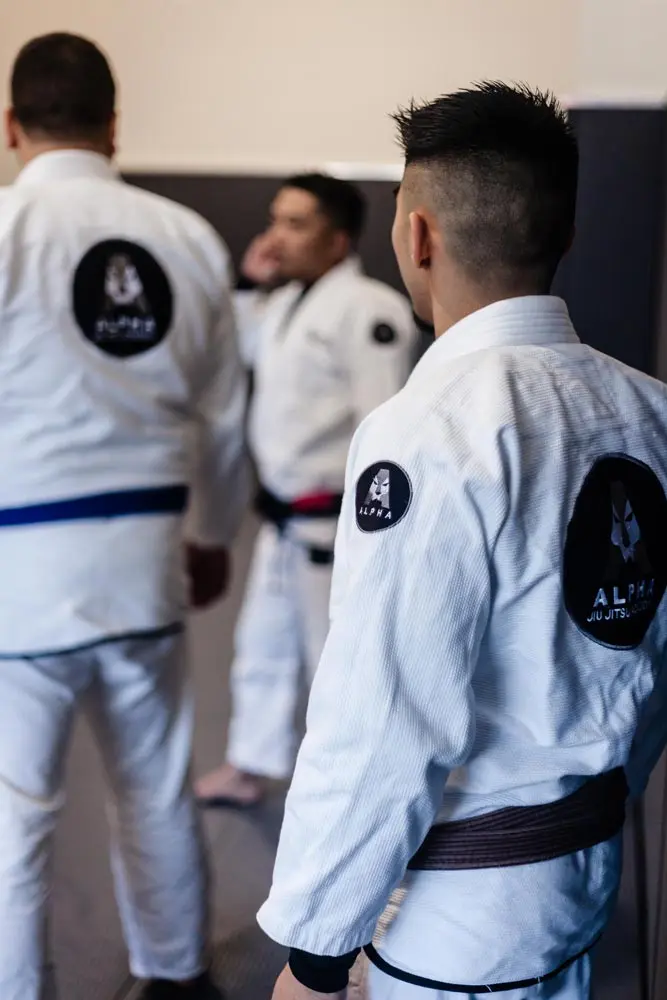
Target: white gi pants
(140,709)
(282,628)
(572,984)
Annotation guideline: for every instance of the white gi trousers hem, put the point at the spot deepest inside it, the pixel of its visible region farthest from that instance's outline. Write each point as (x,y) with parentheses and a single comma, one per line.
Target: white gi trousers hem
(140,709)
(574,983)
(280,635)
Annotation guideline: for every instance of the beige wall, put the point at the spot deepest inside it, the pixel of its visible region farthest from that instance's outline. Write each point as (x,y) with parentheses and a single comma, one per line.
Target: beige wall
(622,49)
(271,84)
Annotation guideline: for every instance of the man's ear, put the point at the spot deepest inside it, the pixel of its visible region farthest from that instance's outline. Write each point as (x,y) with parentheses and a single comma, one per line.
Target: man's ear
(113,135)
(420,240)
(11,129)
(342,244)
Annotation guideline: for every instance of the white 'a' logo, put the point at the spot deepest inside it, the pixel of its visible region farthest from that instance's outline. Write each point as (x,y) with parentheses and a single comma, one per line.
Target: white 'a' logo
(625,531)
(379,491)
(122,284)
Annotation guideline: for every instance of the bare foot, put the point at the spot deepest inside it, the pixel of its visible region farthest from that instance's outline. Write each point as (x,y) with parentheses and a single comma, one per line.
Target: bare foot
(227,786)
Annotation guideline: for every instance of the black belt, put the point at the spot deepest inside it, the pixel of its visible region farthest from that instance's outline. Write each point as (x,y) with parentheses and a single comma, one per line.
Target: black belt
(526,835)
(314,506)
(521,835)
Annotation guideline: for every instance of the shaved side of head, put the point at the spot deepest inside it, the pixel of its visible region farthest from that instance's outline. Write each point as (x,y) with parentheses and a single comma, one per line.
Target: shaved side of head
(498,167)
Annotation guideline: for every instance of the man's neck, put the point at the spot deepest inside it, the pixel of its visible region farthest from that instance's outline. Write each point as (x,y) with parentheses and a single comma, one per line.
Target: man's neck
(30,152)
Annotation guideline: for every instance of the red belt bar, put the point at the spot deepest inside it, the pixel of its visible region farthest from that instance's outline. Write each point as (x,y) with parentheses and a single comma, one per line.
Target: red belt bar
(314,505)
(526,835)
(317,503)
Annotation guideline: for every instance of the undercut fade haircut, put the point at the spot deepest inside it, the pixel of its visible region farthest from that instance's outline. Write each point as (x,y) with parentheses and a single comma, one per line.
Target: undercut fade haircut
(500,164)
(342,202)
(62,88)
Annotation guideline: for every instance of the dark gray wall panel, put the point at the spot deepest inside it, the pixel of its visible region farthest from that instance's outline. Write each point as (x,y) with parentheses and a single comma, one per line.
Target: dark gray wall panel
(611,277)
(238,208)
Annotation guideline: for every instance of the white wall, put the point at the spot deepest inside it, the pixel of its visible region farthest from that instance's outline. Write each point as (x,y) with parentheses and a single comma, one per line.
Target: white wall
(622,50)
(224,83)
(271,84)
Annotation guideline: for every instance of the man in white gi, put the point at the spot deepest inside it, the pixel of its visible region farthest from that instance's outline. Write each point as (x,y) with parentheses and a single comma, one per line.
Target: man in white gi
(121,393)
(494,676)
(333,344)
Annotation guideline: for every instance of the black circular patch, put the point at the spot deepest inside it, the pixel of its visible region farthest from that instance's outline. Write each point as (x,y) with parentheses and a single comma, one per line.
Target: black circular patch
(383,333)
(383,496)
(615,560)
(122,299)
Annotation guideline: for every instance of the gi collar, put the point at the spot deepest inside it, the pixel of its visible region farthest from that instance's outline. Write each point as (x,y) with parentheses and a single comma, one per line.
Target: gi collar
(351,265)
(530,320)
(66,164)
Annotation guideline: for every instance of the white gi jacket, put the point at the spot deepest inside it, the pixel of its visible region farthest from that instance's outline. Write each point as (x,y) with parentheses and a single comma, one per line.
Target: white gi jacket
(118,348)
(324,360)
(461,674)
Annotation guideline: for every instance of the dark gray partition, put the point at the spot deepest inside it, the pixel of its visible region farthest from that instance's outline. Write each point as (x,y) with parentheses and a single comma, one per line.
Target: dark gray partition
(611,278)
(238,208)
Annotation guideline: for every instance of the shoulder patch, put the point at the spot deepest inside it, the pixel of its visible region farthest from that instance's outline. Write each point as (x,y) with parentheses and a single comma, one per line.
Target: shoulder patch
(122,299)
(615,559)
(384,333)
(383,496)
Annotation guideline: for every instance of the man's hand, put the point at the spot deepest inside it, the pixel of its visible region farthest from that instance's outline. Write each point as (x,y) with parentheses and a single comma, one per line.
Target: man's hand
(289,988)
(209,571)
(260,263)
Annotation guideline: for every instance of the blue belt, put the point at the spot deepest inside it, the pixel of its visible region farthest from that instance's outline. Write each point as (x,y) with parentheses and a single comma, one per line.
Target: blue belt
(123,503)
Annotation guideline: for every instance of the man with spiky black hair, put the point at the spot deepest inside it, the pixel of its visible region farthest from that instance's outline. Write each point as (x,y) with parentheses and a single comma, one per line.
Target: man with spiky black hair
(497,676)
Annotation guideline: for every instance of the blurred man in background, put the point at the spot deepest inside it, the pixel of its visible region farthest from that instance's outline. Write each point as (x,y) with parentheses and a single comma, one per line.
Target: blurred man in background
(494,681)
(122,394)
(330,347)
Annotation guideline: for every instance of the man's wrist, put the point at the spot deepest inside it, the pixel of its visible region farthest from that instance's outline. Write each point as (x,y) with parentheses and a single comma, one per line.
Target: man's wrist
(322,973)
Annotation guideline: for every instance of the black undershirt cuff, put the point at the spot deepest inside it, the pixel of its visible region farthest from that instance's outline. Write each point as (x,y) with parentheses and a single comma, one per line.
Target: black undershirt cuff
(244,284)
(322,973)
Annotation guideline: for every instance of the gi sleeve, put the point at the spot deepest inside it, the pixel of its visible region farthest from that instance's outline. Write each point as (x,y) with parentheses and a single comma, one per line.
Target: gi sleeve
(220,481)
(392,708)
(380,349)
(249,308)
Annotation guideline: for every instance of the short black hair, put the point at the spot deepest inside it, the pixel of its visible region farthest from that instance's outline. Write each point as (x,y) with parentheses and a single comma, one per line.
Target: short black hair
(62,87)
(503,164)
(341,201)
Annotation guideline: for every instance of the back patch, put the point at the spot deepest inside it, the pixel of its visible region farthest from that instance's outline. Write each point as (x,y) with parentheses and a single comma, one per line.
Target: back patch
(615,559)
(122,299)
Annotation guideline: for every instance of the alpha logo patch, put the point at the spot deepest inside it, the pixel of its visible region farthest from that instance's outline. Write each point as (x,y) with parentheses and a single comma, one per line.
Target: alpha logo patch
(615,559)
(383,496)
(122,299)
